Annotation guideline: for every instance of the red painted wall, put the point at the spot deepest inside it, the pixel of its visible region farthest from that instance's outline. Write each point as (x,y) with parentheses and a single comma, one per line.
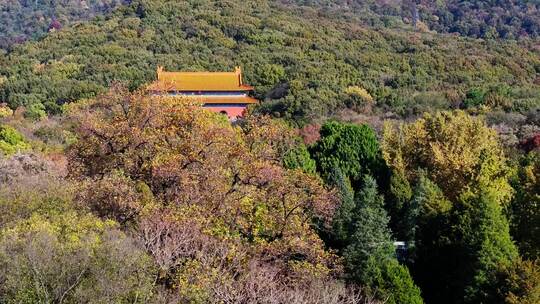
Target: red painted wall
(233,112)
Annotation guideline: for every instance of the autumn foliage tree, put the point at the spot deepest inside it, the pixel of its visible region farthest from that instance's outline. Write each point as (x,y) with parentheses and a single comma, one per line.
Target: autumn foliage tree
(69,258)
(53,251)
(455,218)
(457,150)
(208,197)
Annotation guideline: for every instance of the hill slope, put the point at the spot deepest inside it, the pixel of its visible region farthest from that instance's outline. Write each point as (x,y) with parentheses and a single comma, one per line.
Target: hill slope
(310,60)
(478,18)
(21,20)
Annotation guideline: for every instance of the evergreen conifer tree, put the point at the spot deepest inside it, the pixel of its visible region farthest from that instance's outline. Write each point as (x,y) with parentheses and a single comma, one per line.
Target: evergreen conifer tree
(398,203)
(342,225)
(427,214)
(428,235)
(525,207)
(352,148)
(486,243)
(370,256)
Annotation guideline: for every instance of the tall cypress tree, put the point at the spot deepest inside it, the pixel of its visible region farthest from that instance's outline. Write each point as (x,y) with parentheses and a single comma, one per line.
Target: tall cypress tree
(370,255)
(486,243)
(525,207)
(398,204)
(428,235)
(342,225)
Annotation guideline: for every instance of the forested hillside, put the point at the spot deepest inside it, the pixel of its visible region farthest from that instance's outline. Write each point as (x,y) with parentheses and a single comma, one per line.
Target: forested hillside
(486,19)
(21,20)
(478,18)
(384,163)
(130,198)
(308,65)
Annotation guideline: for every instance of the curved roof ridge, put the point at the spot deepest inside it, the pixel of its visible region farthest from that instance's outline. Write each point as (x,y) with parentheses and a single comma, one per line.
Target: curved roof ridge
(204,80)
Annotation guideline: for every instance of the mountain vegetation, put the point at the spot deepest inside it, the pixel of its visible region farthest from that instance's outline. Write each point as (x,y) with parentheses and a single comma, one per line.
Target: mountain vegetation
(511,19)
(22,20)
(387,162)
(307,65)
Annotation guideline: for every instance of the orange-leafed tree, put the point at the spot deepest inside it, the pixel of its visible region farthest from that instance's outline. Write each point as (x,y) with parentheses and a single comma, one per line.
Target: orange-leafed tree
(177,172)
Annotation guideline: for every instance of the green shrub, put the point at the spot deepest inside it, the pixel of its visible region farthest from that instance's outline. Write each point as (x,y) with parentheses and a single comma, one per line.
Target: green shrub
(11,140)
(35,111)
(299,158)
(53,108)
(474,97)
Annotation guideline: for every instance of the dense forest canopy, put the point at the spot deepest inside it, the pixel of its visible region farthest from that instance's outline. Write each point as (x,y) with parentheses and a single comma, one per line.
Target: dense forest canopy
(132,198)
(306,65)
(21,20)
(478,18)
(387,162)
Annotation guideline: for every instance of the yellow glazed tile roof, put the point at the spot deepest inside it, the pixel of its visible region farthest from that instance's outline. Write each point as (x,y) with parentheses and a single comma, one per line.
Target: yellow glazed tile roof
(225,99)
(202,81)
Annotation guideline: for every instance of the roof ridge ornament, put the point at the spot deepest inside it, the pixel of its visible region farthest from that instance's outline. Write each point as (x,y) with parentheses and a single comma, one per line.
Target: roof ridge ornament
(238,71)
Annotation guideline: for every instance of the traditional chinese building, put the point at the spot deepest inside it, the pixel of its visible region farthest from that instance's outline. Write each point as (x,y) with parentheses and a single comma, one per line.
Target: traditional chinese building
(223,92)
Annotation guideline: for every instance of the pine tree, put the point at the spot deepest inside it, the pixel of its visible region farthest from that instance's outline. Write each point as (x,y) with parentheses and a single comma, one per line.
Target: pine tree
(371,235)
(397,204)
(428,236)
(525,207)
(486,241)
(370,257)
(427,213)
(342,227)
